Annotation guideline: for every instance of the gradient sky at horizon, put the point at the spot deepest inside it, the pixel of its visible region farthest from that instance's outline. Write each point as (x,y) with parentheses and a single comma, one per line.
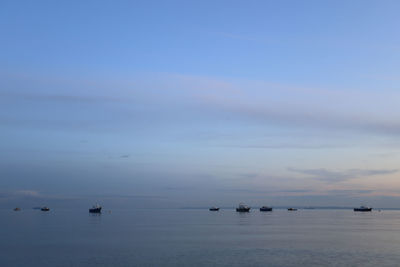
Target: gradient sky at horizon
(184,103)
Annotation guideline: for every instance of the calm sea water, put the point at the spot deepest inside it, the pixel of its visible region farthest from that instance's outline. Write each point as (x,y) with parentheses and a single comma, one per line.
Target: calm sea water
(199,238)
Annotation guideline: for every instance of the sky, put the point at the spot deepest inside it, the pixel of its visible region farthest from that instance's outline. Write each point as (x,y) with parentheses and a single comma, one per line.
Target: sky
(161,104)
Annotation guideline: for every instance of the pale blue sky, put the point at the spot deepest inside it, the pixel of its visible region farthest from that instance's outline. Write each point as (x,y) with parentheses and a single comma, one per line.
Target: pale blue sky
(200,103)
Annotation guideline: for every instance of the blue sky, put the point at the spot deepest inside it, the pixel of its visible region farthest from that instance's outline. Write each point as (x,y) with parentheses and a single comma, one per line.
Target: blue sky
(201,103)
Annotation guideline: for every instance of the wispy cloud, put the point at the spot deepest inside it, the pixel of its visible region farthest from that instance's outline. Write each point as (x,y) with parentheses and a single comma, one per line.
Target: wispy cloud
(283,146)
(48,97)
(312,117)
(30,193)
(348,192)
(339,176)
(20,194)
(181,98)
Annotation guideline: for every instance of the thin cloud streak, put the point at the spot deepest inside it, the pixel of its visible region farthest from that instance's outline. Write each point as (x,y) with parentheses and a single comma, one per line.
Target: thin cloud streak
(62,98)
(285,146)
(340,176)
(216,99)
(316,118)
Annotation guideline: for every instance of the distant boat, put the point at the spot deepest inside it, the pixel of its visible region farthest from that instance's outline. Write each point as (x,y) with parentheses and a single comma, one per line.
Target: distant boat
(214,209)
(265,208)
(95,209)
(243,208)
(291,209)
(44,208)
(363,208)
(17,209)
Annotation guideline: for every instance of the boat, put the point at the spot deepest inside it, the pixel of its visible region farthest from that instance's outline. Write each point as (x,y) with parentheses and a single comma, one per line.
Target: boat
(214,209)
(44,208)
(243,208)
(95,209)
(265,208)
(363,208)
(291,209)
(17,209)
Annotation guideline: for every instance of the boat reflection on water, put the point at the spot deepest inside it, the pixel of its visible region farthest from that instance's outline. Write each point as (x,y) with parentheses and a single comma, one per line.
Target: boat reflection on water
(93,214)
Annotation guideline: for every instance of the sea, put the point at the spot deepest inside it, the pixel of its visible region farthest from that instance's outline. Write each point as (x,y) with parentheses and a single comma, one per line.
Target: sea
(199,237)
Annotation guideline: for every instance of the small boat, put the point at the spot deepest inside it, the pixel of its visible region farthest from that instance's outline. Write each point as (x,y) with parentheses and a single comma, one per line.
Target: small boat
(265,208)
(291,209)
(17,209)
(243,208)
(214,209)
(363,208)
(44,208)
(95,209)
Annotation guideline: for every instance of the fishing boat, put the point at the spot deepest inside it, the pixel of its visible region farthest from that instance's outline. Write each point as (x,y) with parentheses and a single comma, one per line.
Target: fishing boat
(243,208)
(363,208)
(265,208)
(214,209)
(95,209)
(44,208)
(17,209)
(291,209)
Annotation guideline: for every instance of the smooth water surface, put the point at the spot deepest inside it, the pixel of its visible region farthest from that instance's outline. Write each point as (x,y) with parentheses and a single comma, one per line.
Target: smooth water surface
(185,237)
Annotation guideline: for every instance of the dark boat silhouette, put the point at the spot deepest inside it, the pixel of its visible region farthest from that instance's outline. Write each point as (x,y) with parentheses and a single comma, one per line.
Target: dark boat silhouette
(95,209)
(291,209)
(17,209)
(214,209)
(44,208)
(265,208)
(243,208)
(363,208)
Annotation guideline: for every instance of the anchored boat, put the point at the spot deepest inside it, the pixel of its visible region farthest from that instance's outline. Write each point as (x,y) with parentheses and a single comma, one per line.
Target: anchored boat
(95,209)
(265,208)
(44,208)
(363,208)
(214,209)
(243,208)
